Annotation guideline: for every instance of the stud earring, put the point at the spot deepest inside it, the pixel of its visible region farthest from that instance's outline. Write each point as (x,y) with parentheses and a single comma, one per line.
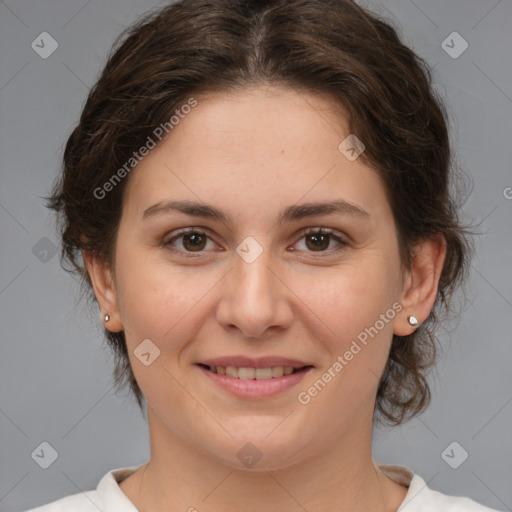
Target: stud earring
(413,321)
(106,318)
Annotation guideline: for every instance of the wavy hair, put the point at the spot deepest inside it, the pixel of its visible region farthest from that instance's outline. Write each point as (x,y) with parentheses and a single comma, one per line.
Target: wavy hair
(325,46)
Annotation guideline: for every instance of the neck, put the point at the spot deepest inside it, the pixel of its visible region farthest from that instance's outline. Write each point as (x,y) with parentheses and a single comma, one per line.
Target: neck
(181,476)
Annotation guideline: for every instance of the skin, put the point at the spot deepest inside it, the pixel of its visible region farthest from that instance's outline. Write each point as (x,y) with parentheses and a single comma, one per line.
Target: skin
(252,153)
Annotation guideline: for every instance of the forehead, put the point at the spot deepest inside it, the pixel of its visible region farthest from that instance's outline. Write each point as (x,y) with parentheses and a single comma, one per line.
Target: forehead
(260,146)
(274,117)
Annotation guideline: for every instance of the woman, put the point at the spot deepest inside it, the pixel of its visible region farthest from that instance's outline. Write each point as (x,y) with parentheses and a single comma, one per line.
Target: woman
(257,194)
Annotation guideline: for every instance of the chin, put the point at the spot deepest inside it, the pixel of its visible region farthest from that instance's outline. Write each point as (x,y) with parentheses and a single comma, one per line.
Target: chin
(261,451)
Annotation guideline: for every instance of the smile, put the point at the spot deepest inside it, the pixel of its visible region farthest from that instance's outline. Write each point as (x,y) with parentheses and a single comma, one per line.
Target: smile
(254,383)
(247,373)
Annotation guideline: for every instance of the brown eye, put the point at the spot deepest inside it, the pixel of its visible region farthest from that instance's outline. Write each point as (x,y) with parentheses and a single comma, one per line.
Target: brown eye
(188,241)
(194,241)
(318,241)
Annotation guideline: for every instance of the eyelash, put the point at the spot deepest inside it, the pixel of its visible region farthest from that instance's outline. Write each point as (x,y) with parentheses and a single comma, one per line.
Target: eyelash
(342,243)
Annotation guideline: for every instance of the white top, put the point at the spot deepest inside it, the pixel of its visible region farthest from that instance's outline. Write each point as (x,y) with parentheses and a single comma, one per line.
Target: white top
(108,496)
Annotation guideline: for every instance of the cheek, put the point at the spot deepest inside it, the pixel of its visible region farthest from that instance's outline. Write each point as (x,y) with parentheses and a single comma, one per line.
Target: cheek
(162,302)
(357,306)
(153,301)
(163,305)
(351,297)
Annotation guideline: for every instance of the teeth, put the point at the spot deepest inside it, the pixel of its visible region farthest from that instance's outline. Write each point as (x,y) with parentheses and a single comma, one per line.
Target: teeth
(263,373)
(232,371)
(277,371)
(245,373)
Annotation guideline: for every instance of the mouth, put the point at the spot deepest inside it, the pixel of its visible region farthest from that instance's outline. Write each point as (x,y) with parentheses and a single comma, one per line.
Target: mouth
(251,373)
(253,379)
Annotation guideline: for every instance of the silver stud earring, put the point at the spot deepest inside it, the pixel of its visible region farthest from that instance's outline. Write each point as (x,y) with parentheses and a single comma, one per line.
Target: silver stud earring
(413,321)
(106,318)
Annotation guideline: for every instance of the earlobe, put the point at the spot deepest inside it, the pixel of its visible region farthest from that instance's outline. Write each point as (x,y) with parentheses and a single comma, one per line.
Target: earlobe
(104,290)
(421,285)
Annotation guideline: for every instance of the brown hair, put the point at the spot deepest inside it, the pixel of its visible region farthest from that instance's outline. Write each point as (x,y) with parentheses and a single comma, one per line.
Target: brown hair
(327,46)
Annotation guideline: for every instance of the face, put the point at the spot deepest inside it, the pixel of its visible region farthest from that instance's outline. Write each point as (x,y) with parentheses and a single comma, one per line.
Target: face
(246,278)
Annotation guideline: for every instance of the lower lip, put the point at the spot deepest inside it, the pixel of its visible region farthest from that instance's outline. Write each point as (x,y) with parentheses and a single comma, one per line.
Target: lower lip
(256,388)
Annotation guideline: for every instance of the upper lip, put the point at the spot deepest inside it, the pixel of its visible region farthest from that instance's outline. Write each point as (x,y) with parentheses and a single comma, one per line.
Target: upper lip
(252,362)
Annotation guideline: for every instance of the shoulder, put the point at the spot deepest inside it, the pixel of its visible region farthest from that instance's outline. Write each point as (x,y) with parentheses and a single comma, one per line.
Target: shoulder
(108,497)
(421,498)
(81,502)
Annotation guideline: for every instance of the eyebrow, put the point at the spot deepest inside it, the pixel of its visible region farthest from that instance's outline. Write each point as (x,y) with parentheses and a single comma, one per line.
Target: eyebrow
(291,213)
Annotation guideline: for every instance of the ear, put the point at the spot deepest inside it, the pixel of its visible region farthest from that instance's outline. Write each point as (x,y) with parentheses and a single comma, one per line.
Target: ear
(104,289)
(420,287)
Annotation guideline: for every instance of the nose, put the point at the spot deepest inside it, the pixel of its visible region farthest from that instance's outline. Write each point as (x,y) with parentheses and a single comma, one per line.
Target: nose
(255,299)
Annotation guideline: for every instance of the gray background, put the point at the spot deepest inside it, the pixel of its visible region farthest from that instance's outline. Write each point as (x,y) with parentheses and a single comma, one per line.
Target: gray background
(55,376)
